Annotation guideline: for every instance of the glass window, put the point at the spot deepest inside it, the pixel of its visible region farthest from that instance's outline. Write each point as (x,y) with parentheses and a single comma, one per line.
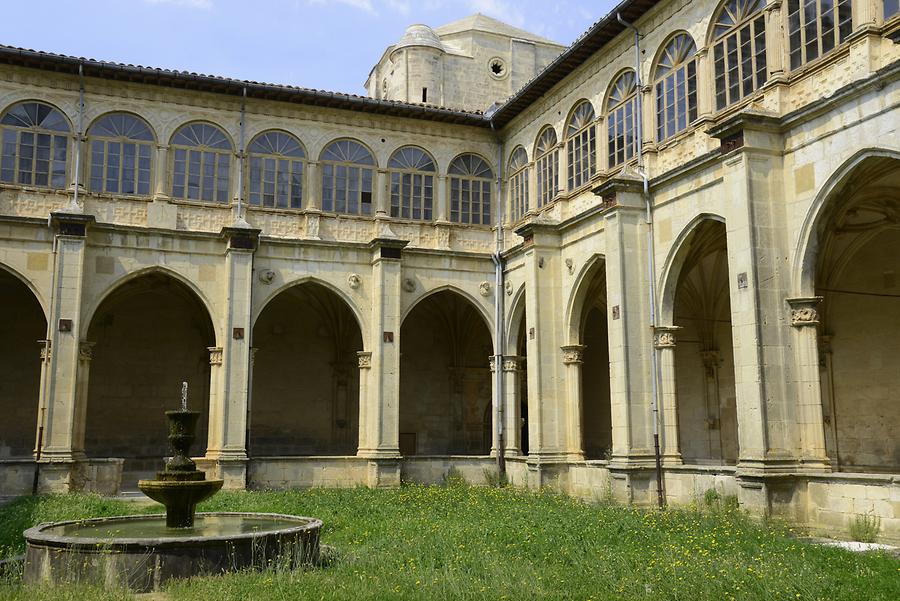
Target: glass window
(201,161)
(348,176)
(35,139)
(891,8)
(676,87)
(739,50)
(471,179)
(276,162)
(621,122)
(121,147)
(518,184)
(581,146)
(816,27)
(412,184)
(546,164)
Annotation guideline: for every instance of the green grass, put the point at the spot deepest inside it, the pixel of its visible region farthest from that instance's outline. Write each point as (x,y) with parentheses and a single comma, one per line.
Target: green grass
(460,542)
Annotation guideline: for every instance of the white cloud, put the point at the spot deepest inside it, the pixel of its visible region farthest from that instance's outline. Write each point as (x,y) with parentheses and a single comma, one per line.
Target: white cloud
(202,4)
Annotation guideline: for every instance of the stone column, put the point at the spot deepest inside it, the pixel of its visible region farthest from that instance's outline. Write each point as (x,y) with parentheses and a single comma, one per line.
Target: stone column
(512,366)
(777,57)
(160,191)
(562,165)
(442,199)
(804,326)
(706,101)
(85,354)
(573,359)
(668,394)
(216,415)
(364,361)
(228,417)
(381,200)
(492,364)
(382,437)
(313,208)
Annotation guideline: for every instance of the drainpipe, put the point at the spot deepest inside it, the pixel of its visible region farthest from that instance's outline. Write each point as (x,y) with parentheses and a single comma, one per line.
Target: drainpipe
(651,267)
(499,330)
(73,206)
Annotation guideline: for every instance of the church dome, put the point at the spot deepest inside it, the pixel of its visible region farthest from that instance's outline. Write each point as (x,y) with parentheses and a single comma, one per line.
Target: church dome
(419,35)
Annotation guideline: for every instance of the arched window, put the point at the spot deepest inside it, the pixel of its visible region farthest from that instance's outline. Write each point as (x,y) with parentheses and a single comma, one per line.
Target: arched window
(546,163)
(676,87)
(121,154)
(201,163)
(739,50)
(412,183)
(581,145)
(276,162)
(891,8)
(470,190)
(815,27)
(518,184)
(347,176)
(35,137)
(621,121)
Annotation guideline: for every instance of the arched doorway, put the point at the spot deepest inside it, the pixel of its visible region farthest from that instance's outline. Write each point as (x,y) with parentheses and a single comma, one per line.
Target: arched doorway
(150,334)
(857,274)
(305,398)
(23,324)
(596,419)
(445,379)
(704,357)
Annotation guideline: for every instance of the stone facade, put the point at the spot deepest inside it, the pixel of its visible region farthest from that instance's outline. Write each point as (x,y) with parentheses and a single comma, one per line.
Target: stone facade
(728,290)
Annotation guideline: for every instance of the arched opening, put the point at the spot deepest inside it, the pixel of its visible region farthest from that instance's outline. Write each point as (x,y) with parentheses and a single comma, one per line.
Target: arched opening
(704,357)
(857,269)
(596,419)
(23,324)
(150,334)
(305,375)
(522,383)
(445,379)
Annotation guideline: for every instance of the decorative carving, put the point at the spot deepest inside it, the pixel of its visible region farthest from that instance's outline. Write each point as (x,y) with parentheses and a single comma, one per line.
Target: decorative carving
(267,276)
(513,363)
(492,363)
(509,288)
(215,355)
(86,350)
(354,281)
(573,353)
(484,289)
(570,265)
(409,284)
(364,359)
(804,311)
(312,226)
(45,349)
(665,337)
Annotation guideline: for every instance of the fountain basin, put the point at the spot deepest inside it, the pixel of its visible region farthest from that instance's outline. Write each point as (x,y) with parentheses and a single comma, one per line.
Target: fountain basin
(180,497)
(141,553)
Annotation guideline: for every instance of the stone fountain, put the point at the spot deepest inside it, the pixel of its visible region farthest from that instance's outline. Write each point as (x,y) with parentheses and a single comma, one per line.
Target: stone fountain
(141,553)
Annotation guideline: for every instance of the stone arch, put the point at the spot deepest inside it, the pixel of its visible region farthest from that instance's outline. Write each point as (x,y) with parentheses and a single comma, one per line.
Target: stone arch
(445,379)
(24,323)
(39,297)
(578,296)
(149,333)
(672,267)
(134,114)
(516,319)
(848,258)
(91,309)
(485,316)
(305,382)
(351,304)
(807,247)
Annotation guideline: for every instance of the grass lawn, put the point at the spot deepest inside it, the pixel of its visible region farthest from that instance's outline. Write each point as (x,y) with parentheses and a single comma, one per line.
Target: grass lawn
(460,542)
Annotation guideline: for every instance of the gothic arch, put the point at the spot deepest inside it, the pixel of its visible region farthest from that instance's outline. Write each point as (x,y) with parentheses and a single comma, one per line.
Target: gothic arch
(479,308)
(574,317)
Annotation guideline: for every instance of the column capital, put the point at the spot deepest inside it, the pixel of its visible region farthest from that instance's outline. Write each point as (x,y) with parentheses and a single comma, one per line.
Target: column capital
(71,224)
(513,363)
(364,359)
(241,237)
(86,350)
(664,336)
(573,353)
(492,363)
(45,349)
(215,355)
(804,311)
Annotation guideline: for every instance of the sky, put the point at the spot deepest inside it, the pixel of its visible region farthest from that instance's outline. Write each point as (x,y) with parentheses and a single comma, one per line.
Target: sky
(325,44)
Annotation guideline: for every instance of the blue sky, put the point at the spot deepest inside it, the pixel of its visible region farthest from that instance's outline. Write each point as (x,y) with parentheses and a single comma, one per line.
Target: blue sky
(325,44)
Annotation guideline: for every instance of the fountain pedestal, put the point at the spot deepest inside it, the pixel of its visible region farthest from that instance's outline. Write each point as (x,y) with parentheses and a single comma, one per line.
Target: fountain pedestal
(180,486)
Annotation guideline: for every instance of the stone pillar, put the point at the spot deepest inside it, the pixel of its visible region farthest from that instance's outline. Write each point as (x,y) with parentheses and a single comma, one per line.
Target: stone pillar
(216,407)
(382,412)
(160,191)
(562,171)
(777,57)
(495,402)
(512,428)
(60,395)
(706,101)
(364,361)
(442,199)
(85,354)
(313,208)
(804,324)
(381,200)
(573,359)
(228,417)
(668,394)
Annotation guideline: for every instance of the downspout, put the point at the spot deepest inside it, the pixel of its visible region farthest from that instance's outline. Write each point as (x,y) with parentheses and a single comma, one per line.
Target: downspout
(651,266)
(79,136)
(500,338)
(242,222)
